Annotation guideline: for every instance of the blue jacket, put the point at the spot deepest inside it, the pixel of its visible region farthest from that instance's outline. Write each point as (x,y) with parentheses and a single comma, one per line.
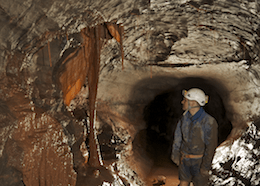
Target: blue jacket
(196,135)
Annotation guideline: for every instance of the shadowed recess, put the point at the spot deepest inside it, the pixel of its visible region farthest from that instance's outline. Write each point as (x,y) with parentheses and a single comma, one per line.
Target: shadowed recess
(163,112)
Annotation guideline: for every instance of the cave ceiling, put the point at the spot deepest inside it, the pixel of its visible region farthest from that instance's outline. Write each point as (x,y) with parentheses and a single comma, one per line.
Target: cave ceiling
(172,31)
(169,34)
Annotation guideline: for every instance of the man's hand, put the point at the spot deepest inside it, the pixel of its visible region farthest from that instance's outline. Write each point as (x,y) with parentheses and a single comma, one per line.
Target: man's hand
(204,172)
(176,158)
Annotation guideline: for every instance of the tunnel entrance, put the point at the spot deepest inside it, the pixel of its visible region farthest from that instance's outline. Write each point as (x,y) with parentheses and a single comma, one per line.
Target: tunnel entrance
(163,112)
(161,116)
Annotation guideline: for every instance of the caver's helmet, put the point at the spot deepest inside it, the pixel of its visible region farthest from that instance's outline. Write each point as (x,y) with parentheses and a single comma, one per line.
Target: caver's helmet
(196,95)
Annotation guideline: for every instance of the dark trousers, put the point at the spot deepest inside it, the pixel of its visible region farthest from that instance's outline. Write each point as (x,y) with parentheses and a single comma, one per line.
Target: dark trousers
(189,170)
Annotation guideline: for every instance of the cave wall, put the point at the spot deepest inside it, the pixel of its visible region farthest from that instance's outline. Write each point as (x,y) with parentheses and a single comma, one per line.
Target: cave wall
(164,43)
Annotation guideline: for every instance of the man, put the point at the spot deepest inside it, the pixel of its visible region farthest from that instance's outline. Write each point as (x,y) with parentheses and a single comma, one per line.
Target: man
(195,140)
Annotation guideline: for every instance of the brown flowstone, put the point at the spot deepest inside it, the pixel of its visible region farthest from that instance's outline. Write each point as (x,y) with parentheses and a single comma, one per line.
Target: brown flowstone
(47,157)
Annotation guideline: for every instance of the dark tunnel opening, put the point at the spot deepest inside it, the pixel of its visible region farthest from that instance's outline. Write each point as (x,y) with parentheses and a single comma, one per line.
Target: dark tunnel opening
(163,112)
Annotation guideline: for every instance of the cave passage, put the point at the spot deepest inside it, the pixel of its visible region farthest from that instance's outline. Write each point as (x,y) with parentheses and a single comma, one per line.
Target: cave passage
(163,112)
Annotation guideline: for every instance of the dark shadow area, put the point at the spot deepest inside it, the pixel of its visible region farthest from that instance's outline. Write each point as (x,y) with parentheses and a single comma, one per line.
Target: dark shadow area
(161,116)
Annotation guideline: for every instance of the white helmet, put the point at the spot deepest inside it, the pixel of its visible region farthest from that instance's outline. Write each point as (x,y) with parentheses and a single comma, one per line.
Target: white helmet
(196,95)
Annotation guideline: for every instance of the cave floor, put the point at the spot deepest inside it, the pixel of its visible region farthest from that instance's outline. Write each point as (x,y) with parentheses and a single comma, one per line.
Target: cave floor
(160,172)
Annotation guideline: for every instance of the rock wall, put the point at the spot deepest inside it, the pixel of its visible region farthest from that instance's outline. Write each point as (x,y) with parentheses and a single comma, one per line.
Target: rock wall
(236,161)
(36,147)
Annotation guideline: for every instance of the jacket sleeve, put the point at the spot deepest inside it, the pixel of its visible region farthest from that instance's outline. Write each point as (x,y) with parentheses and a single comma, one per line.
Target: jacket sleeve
(211,142)
(175,156)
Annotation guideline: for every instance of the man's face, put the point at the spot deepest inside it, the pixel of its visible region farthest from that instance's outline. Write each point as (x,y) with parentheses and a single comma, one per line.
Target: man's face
(184,103)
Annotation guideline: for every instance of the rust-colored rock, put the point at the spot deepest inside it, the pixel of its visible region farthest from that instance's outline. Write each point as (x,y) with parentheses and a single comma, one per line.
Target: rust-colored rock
(92,47)
(84,61)
(117,31)
(47,157)
(73,75)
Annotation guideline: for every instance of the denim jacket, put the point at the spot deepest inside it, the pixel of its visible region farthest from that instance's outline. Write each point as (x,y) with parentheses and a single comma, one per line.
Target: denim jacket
(196,135)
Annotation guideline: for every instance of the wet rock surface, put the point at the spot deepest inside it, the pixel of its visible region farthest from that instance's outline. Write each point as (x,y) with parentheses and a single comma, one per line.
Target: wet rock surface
(236,162)
(148,51)
(37,150)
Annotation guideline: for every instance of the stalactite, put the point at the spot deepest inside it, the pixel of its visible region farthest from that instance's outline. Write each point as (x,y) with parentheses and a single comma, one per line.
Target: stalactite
(117,31)
(92,49)
(49,51)
(121,44)
(85,62)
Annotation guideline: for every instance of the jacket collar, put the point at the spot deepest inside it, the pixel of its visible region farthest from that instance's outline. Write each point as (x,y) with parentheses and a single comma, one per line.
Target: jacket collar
(198,116)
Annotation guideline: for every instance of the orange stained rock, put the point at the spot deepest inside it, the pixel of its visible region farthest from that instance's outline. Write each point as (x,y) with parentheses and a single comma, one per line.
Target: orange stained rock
(85,62)
(47,158)
(115,31)
(73,75)
(92,47)
(72,91)
(49,51)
